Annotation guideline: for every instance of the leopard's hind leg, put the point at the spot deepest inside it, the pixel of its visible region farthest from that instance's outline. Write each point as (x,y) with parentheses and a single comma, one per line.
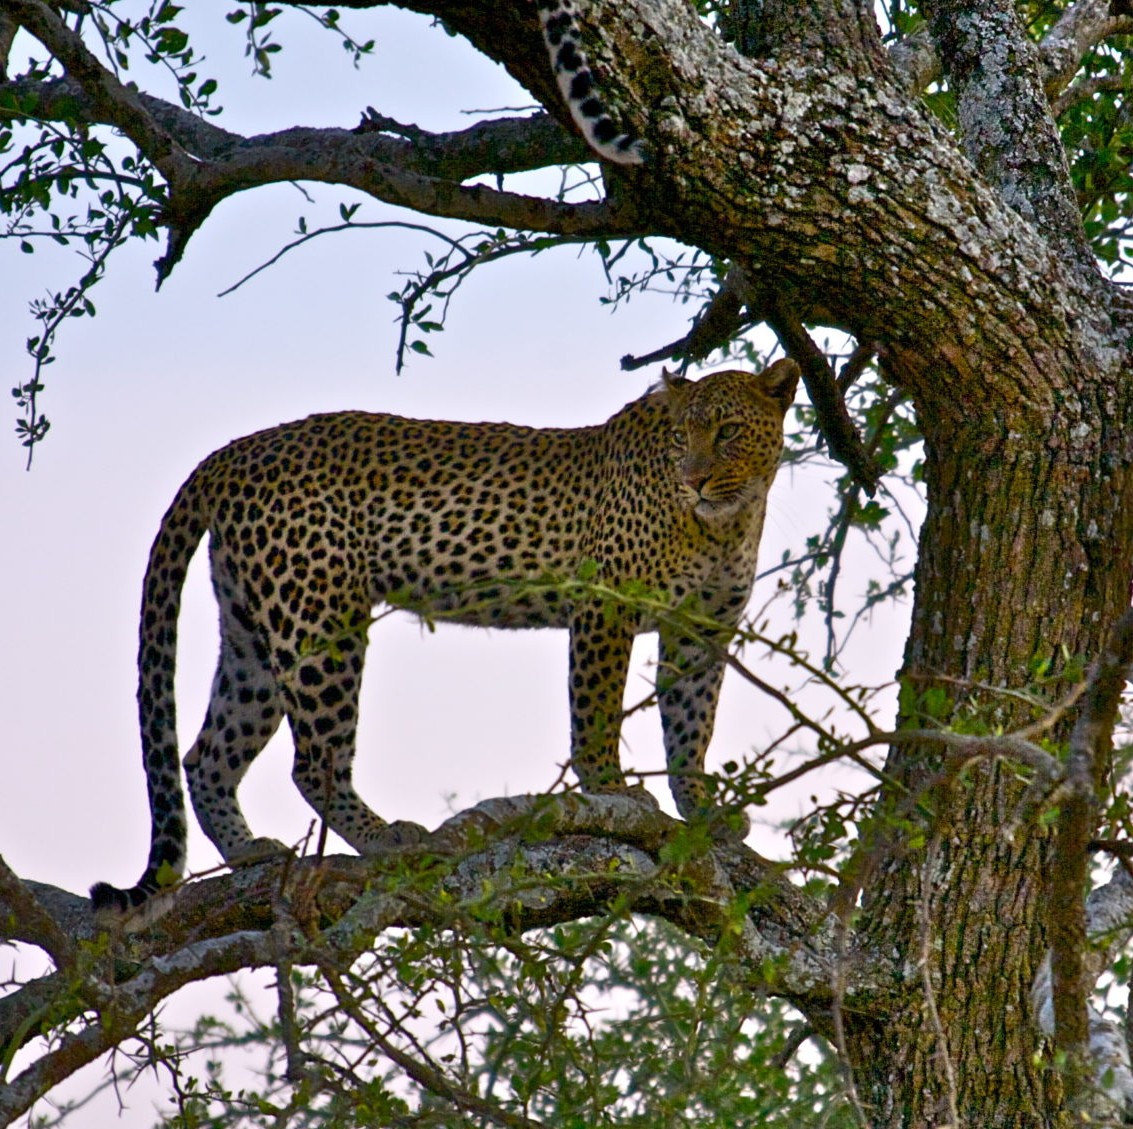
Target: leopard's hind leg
(321,694)
(245,709)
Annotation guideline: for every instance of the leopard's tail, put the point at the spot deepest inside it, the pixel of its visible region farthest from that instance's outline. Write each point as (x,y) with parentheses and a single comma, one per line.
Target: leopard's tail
(572,70)
(181,531)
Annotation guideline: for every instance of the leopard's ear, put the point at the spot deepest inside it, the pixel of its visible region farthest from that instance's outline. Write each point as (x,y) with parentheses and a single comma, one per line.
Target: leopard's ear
(781,380)
(673,383)
(676,390)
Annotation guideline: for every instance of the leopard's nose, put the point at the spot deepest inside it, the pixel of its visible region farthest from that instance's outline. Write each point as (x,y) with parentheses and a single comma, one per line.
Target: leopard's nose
(694,475)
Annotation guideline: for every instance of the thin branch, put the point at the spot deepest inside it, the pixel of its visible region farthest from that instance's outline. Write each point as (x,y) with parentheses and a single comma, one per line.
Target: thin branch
(1090,746)
(1085,90)
(423,1070)
(794,1041)
(829,405)
(720,321)
(307,236)
(1080,27)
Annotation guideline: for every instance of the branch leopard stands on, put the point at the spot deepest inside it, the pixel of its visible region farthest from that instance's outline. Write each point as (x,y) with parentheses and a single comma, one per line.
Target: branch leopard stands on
(313,523)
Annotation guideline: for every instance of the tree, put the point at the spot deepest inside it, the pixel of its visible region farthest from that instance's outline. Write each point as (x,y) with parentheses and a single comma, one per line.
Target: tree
(950,197)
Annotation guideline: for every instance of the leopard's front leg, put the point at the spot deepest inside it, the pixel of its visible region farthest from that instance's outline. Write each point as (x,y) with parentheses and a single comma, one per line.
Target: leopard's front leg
(600,643)
(689,674)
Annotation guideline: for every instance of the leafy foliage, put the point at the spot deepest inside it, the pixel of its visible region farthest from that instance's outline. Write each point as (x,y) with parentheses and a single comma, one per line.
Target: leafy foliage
(612,1021)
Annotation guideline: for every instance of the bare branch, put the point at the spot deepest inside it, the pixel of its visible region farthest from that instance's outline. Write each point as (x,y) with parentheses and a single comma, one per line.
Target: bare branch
(826,398)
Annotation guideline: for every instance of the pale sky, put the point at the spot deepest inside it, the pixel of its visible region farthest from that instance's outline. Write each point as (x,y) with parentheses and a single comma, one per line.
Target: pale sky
(155,382)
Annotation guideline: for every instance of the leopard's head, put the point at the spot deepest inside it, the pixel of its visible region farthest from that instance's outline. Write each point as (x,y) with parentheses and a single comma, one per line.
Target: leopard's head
(727,435)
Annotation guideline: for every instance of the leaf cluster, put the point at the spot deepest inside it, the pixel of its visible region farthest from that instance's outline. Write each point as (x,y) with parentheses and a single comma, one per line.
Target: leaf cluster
(614,1021)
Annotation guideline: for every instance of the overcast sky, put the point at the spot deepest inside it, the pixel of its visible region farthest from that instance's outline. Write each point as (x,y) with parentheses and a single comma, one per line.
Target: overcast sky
(155,382)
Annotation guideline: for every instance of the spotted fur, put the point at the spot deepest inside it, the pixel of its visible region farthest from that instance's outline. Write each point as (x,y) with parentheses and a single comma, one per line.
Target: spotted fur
(576,83)
(313,523)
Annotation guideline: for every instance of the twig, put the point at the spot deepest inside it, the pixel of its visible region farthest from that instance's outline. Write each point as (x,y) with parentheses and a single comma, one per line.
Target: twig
(422,1070)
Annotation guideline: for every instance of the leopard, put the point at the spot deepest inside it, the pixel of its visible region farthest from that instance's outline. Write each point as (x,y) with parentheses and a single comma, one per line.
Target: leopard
(312,524)
(575,77)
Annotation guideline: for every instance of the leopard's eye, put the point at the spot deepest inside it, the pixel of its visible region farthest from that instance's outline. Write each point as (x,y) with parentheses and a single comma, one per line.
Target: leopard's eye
(678,437)
(728,430)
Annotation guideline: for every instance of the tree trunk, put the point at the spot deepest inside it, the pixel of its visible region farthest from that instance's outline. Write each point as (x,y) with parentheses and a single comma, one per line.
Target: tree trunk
(1025,556)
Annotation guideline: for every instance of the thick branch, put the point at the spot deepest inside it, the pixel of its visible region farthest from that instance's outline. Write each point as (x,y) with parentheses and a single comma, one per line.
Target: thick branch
(495,147)
(841,31)
(31,922)
(1007,129)
(123,1008)
(112,102)
(1109,919)
(915,59)
(400,165)
(827,400)
(1080,27)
